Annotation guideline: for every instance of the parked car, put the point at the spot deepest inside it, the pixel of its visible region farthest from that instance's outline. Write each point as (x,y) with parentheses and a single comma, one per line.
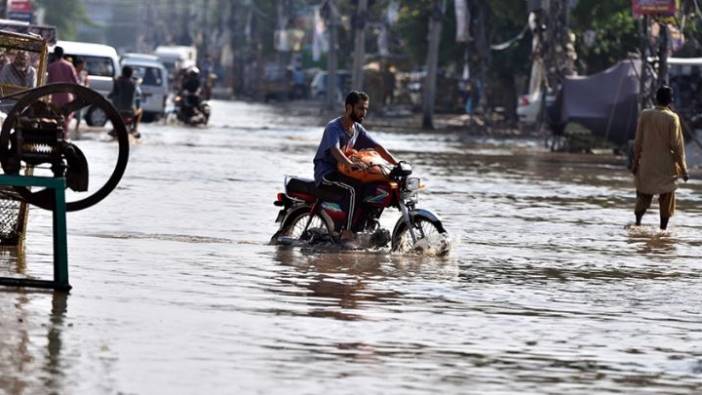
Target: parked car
(154,83)
(318,86)
(529,107)
(102,65)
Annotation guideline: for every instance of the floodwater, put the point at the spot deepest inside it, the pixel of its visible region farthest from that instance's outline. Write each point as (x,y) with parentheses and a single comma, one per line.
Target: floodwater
(176,290)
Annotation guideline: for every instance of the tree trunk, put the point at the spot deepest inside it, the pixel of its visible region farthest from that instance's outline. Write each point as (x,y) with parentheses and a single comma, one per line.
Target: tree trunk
(173,27)
(663,56)
(331,56)
(205,29)
(236,51)
(359,53)
(429,91)
(643,79)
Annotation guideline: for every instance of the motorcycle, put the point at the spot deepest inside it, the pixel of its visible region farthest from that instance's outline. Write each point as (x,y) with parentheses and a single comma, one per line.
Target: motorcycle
(312,215)
(191,109)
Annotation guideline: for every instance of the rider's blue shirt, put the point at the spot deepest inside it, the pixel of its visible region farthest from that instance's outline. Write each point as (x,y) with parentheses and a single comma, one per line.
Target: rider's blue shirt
(335,136)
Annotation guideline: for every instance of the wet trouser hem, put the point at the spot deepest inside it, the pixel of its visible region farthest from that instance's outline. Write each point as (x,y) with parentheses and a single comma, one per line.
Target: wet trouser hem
(666,202)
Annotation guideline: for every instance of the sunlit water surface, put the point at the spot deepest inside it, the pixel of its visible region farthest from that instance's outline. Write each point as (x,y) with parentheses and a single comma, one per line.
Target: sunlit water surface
(176,290)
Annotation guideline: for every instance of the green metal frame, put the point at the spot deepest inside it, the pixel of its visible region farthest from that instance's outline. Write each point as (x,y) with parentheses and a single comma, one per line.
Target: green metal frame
(58,185)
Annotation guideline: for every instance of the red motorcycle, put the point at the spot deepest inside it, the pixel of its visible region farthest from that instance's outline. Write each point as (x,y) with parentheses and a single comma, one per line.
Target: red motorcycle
(311,214)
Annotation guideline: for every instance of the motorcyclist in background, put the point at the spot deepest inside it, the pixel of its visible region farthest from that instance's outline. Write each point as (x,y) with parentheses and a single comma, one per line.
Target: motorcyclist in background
(191,91)
(126,97)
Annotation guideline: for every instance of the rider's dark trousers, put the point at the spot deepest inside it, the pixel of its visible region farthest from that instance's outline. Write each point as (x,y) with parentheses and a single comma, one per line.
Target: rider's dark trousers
(352,190)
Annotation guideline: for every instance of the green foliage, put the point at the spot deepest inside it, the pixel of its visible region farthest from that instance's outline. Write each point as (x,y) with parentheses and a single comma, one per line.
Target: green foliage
(615,29)
(413,27)
(507,19)
(65,15)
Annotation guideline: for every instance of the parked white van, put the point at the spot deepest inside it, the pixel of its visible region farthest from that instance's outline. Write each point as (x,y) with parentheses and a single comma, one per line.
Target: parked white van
(154,83)
(102,64)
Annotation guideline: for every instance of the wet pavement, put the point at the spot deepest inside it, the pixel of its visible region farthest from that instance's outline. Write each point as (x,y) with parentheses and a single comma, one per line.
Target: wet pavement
(176,290)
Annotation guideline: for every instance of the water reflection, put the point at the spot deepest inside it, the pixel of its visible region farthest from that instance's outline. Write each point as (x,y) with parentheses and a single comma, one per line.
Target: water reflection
(336,284)
(54,366)
(27,331)
(652,241)
(176,289)
(342,285)
(13,260)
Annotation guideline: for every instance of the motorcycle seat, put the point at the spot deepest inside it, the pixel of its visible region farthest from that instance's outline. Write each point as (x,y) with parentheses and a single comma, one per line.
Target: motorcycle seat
(306,186)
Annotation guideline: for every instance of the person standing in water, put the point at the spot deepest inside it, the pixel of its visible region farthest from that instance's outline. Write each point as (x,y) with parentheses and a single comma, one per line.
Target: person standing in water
(659,157)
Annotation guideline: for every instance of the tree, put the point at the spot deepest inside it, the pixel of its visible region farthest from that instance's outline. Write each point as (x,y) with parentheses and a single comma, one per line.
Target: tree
(65,15)
(429,91)
(503,20)
(614,29)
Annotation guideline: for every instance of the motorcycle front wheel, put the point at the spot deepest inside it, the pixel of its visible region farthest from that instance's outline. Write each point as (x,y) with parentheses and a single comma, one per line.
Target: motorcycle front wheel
(430,236)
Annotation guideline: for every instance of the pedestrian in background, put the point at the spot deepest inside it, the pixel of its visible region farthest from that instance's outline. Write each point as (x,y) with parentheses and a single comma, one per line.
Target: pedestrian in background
(19,72)
(61,70)
(82,73)
(659,157)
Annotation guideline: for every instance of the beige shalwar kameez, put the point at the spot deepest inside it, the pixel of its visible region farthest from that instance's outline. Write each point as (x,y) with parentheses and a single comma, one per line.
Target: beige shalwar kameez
(659,158)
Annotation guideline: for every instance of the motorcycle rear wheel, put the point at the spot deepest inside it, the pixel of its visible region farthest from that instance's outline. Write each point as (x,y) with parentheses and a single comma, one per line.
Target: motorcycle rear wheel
(431,237)
(294,227)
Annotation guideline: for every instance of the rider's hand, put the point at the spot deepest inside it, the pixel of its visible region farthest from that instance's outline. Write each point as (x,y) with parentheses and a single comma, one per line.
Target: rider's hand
(685,177)
(358,166)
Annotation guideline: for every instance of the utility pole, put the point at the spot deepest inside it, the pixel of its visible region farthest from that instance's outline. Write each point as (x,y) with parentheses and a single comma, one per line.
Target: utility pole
(439,8)
(173,17)
(205,28)
(359,52)
(186,38)
(644,77)
(281,28)
(331,56)
(663,55)
(149,35)
(233,43)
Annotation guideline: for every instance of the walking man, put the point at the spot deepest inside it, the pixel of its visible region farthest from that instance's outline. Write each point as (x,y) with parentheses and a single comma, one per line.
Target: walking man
(659,157)
(61,70)
(82,74)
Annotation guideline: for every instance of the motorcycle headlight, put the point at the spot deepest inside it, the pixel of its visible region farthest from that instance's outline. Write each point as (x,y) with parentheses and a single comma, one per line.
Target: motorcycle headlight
(411,190)
(413,184)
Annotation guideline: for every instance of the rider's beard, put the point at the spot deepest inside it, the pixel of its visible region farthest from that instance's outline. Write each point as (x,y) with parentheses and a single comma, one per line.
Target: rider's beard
(356,118)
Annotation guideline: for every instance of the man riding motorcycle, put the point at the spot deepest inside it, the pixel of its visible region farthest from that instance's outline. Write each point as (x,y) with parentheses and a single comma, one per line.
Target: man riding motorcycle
(341,135)
(190,108)
(126,97)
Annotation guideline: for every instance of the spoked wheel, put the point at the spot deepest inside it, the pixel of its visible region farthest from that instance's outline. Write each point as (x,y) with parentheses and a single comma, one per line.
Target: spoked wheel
(295,226)
(431,237)
(82,97)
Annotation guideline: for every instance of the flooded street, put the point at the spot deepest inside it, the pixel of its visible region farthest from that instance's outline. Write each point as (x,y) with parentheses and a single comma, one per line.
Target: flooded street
(176,290)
